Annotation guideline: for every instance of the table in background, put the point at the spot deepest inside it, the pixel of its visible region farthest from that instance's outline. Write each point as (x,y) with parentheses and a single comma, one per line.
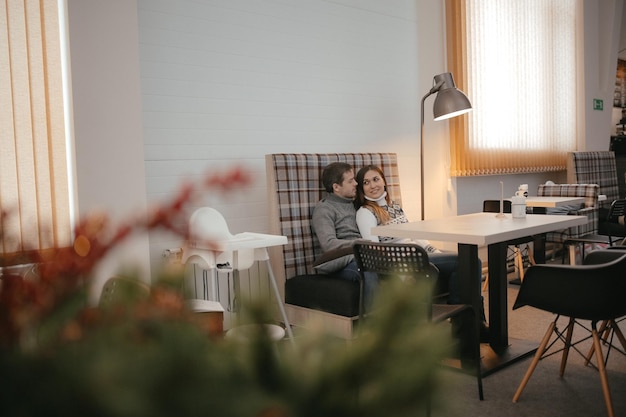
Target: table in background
(479,229)
(539,205)
(552,202)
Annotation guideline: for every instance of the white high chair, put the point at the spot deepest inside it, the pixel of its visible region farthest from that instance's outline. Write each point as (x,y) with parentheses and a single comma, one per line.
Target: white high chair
(212,247)
(207,226)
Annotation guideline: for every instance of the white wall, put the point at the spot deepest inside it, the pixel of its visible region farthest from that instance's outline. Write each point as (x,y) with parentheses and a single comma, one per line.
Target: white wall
(107,121)
(603,21)
(224,83)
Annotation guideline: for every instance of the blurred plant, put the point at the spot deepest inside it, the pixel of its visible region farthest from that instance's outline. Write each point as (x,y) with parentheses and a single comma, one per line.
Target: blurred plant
(150,356)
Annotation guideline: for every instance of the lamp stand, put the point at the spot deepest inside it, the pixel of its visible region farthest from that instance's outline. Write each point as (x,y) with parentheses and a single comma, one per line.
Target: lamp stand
(431,92)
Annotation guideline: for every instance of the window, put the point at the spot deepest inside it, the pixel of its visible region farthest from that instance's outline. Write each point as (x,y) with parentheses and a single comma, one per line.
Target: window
(34,191)
(517,62)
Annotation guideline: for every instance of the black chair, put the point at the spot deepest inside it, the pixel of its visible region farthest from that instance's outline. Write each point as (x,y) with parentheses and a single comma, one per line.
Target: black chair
(517,253)
(594,291)
(610,328)
(606,236)
(410,260)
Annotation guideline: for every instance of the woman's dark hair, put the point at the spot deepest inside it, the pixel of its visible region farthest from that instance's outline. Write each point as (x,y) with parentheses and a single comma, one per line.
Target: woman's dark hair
(360,201)
(333,174)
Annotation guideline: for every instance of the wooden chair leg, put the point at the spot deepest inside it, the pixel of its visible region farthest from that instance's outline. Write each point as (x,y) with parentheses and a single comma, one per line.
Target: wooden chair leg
(568,343)
(540,351)
(604,330)
(572,254)
(602,370)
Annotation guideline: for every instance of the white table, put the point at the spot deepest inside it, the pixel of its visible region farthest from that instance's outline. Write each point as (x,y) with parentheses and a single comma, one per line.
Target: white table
(551,202)
(243,249)
(487,229)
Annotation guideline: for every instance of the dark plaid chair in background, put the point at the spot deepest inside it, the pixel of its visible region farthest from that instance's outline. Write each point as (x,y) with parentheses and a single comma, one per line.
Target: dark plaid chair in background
(598,167)
(294,186)
(589,208)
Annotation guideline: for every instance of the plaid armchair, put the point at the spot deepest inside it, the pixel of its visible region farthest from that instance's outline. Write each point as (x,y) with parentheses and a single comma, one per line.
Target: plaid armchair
(595,168)
(598,167)
(294,185)
(589,208)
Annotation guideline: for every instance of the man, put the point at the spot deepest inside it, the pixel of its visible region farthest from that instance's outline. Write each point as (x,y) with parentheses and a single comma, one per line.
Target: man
(334,224)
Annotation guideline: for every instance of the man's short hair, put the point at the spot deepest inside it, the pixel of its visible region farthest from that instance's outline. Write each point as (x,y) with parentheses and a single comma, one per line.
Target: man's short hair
(333,174)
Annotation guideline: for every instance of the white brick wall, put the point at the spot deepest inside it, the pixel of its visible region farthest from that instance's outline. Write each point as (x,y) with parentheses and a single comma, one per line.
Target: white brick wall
(226,82)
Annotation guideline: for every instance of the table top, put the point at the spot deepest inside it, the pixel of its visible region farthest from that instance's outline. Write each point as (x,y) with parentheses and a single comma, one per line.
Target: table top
(535,201)
(245,240)
(479,228)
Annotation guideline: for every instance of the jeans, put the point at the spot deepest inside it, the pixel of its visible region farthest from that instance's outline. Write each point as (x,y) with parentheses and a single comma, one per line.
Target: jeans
(447,281)
(370,284)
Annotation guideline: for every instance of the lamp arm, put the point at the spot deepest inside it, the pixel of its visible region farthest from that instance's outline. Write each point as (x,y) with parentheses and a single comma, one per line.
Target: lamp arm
(435,88)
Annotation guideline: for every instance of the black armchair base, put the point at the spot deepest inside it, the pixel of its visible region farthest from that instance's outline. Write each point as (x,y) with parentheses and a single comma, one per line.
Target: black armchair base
(325,293)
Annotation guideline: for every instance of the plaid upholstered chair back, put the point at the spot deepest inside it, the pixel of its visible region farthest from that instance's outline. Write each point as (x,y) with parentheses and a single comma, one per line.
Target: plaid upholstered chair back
(595,168)
(294,185)
(589,209)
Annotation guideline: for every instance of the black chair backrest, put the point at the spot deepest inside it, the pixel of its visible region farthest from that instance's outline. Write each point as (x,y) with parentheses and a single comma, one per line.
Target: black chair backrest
(493,206)
(405,261)
(398,259)
(593,291)
(617,211)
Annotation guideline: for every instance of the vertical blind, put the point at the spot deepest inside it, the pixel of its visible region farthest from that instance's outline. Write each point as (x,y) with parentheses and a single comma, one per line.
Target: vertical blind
(517,62)
(34,192)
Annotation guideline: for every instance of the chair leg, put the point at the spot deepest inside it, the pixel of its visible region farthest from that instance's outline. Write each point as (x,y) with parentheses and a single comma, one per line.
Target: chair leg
(519,261)
(601,368)
(619,334)
(604,330)
(572,254)
(486,283)
(531,256)
(540,351)
(568,343)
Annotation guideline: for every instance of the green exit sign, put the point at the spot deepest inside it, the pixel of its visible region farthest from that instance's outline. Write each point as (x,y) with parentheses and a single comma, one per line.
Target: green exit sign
(598,104)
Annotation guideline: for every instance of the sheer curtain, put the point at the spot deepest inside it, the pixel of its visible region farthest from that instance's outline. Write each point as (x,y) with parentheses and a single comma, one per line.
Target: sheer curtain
(517,62)
(34,192)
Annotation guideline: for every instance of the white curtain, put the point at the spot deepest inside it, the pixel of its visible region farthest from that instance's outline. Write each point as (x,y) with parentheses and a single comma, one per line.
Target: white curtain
(518,66)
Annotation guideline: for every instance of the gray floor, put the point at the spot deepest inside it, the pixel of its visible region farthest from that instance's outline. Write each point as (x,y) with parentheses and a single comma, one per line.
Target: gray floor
(579,393)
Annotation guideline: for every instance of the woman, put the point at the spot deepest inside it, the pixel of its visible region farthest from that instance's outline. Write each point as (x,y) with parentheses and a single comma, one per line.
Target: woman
(375,207)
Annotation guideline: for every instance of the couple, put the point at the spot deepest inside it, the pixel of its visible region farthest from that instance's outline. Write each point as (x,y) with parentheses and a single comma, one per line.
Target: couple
(348,212)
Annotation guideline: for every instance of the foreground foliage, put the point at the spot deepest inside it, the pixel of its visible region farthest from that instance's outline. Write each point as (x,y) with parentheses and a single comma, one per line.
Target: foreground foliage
(150,356)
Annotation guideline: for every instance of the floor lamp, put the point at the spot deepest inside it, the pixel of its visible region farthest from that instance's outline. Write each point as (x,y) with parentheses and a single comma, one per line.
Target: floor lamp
(450,102)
